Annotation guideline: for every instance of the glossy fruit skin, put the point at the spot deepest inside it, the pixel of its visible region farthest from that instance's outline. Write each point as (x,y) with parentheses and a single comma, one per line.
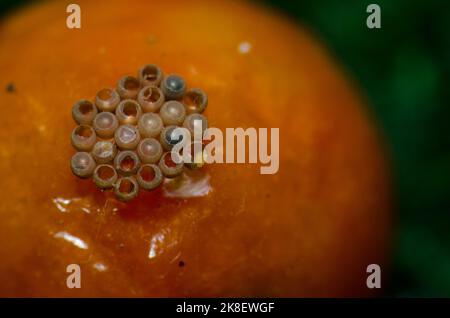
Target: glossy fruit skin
(309,230)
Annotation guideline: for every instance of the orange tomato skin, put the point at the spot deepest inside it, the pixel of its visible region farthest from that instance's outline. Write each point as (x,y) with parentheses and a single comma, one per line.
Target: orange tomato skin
(309,230)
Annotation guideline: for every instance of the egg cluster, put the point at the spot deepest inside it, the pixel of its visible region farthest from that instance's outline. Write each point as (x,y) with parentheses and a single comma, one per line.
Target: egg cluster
(125,136)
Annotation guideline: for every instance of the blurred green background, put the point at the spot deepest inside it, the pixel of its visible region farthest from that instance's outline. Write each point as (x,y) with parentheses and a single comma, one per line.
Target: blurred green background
(404,69)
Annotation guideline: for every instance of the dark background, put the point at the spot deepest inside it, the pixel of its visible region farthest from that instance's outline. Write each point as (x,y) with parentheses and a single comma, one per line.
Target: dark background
(403,68)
